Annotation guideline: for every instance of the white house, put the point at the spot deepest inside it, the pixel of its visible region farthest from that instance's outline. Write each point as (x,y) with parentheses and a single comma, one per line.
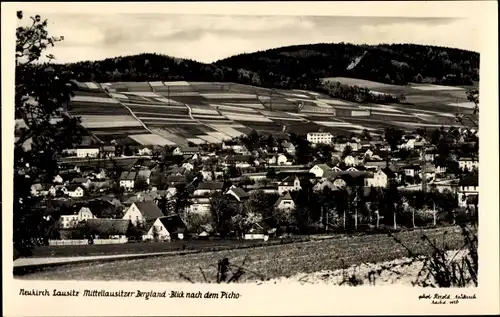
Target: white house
(350,160)
(70,221)
(127,180)
(144,151)
(144,174)
(290,183)
(58,179)
(167,228)
(188,166)
(469,163)
(368,154)
(205,188)
(380,178)
(199,206)
(83,181)
(185,151)
(320,137)
(140,212)
(319,170)
(279,159)
(87,152)
(285,202)
(75,191)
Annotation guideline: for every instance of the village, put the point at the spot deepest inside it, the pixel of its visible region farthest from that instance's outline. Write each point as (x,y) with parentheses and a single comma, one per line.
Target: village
(248,187)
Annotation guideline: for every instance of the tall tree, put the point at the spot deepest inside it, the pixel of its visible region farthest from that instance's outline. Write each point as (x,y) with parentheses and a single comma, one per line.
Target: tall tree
(41,94)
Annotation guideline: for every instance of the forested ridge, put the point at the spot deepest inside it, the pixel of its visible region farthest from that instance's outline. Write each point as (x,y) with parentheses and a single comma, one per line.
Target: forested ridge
(292,66)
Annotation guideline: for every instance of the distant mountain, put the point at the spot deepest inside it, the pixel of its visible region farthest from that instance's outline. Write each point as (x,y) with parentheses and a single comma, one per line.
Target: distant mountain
(393,64)
(295,66)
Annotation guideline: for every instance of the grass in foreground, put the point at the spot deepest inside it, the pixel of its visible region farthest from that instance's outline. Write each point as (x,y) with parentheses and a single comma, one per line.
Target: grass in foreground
(262,263)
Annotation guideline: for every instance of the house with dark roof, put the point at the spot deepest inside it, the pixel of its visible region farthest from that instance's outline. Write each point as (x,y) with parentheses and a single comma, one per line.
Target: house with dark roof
(238,160)
(185,150)
(319,170)
(207,188)
(468,190)
(167,228)
(381,178)
(285,202)
(238,193)
(262,230)
(82,181)
(74,190)
(108,228)
(143,212)
(288,184)
(127,179)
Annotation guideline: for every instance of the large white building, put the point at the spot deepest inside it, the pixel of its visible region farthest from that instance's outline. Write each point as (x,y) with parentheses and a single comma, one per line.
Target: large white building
(320,137)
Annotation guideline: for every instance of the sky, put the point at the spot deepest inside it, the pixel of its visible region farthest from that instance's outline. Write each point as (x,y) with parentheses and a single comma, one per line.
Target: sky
(208,38)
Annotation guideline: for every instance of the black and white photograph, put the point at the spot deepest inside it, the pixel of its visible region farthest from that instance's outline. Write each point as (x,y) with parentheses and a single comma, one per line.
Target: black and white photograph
(259,149)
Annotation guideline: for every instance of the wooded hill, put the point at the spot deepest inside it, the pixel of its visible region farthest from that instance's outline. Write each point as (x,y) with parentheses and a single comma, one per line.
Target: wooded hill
(295,66)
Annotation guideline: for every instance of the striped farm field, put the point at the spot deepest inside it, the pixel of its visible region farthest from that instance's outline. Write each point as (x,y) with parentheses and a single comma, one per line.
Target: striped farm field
(243,105)
(245,117)
(359,82)
(138,86)
(196,141)
(163,132)
(106,121)
(151,139)
(222,108)
(209,139)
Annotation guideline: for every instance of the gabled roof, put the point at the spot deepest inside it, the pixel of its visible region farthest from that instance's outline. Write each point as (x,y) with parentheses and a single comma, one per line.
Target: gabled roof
(149,210)
(101,226)
(73,187)
(388,172)
(129,176)
(80,180)
(173,224)
(324,167)
(239,192)
(282,198)
(210,186)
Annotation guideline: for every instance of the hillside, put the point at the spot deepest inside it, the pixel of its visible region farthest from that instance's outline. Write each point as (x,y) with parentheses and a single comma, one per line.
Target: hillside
(392,64)
(298,67)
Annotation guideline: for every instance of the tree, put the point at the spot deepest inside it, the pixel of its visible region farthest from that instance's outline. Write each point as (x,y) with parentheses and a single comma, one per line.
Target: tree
(140,183)
(40,94)
(222,215)
(393,137)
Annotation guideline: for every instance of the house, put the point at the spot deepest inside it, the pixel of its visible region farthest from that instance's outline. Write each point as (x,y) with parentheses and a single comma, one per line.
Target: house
(144,174)
(319,170)
(58,179)
(205,188)
(108,228)
(319,137)
(261,230)
(141,212)
(238,193)
(411,170)
(212,175)
(101,175)
(176,179)
(83,181)
(199,206)
(90,152)
(336,169)
(127,180)
(108,151)
(42,189)
(468,190)
(322,184)
(70,221)
(368,154)
(185,150)
(468,163)
(167,228)
(288,147)
(188,166)
(233,145)
(350,160)
(341,146)
(75,191)
(256,176)
(241,161)
(144,151)
(176,171)
(290,183)
(381,178)
(285,202)
(431,155)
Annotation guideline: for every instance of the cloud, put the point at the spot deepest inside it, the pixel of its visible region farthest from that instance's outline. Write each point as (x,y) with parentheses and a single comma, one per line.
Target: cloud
(207,38)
